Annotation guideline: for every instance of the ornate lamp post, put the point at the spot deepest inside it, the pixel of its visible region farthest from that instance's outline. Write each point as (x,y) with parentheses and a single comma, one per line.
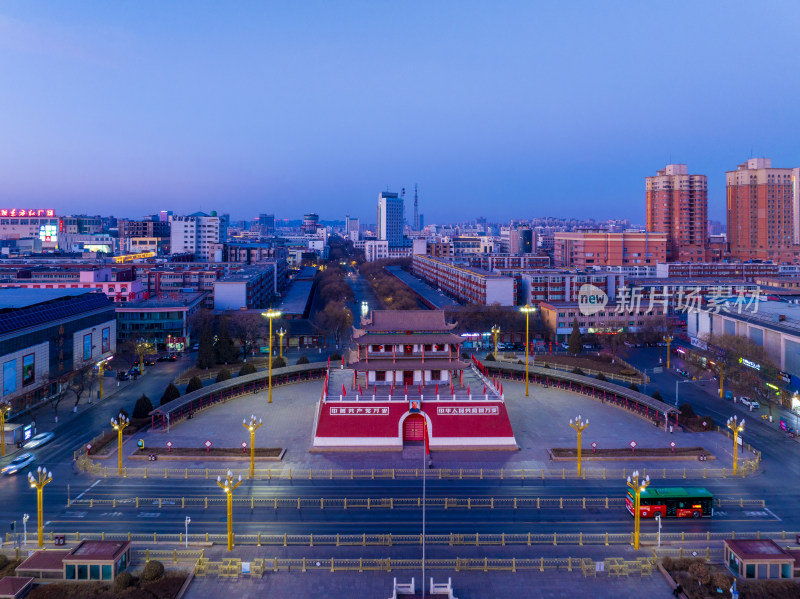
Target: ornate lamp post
(281,333)
(269,315)
(5,408)
(252,426)
(527,309)
(228,485)
(668,340)
(119,424)
(579,425)
(38,482)
(637,488)
(736,426)
(495,330)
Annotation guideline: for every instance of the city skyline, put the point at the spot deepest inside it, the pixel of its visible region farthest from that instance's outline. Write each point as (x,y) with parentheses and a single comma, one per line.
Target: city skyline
(119,112)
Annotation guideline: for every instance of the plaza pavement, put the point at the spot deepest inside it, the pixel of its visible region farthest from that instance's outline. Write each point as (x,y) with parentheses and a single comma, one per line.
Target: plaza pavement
(540,421)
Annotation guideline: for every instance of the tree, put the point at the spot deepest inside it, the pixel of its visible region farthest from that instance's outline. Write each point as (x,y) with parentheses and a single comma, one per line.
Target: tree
(614,339)
(247,328)
(223,375)
(247,368)
(199,321)
(278,362)
(224,348)
(194,384)
(633,387)
(172,392)
(335,318)
(743,364)
(82,380)
(205,354)
(657,395)
(575,339)
(143,407)
(302,360)
(58,391)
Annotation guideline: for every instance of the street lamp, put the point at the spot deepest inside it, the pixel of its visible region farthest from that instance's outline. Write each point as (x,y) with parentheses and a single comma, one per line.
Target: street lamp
(38,482)
(668,340)
(252,426)
(637,488)
(579,425)
(5,408)
(736,426)
(527,309)
(495,330)
(269,315)
(281,333)
(119,424)
(25,529)
(228,485)
(101,366)
(186,524)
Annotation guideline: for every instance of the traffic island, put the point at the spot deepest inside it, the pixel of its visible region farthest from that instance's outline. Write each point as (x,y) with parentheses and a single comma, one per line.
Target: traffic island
(213,454)
(570,454)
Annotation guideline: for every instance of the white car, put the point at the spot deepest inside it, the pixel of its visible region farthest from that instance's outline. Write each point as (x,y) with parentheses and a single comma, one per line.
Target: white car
(750,403)
(39,440)
(19,463)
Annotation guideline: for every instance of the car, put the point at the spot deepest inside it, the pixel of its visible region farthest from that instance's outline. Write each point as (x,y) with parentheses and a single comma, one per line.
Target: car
(39,440)
(196,347)
(172,358)
(750,403)
(163,358)
(682,372)
(729,395)
(19,463)
(123,375)
(149,362)
(134,371)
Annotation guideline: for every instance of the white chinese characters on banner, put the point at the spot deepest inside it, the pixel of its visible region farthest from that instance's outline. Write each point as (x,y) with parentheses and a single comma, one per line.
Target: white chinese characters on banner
(378,411)
(468,411)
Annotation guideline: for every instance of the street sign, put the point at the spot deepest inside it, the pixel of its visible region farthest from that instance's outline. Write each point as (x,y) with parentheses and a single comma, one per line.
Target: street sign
(244,446)
(140,443)
(169,446)
(658,370)
(208,446)
(632,445)
(672,446)
(594,446)
(88,447)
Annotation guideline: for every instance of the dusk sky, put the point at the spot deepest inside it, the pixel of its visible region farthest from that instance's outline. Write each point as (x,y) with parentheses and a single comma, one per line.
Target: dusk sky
(496,109)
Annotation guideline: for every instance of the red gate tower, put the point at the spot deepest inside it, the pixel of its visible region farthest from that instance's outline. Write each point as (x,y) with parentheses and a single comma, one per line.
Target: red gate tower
(402,360)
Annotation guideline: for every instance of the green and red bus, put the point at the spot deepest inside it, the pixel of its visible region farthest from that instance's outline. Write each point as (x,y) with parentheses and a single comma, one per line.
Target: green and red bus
(673,502)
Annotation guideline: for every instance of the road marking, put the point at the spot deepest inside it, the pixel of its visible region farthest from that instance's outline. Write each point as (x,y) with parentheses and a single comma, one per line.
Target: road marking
(148,515)
(759,514)
(73,514)
(771,513)
(89,488)
(112,514)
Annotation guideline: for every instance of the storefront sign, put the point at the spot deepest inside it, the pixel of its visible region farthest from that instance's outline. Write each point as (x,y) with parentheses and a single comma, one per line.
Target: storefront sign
(785,377)
(749,363)
(23,212)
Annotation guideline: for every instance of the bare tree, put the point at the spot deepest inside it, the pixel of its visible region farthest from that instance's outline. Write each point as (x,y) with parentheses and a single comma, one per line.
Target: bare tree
(57,391)
(247,328)
(335,319)
(82,380)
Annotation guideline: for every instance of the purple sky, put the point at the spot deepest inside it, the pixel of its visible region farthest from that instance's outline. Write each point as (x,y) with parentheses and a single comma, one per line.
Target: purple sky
(501,109)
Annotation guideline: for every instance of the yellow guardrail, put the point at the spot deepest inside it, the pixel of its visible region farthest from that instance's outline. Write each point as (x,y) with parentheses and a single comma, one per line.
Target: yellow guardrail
(746,467)
(680,539)
(612,566)
(384,502)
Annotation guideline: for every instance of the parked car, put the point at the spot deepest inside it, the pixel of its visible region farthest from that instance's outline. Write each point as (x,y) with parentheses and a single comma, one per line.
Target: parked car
(729,395)
(19,463)
(196,347)
(134,371)
(123,375)
(749,403)
(149,362)
(39,440)
(683,372)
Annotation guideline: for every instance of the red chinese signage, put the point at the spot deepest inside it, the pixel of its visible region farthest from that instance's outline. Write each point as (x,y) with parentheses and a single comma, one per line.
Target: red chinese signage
(21,212)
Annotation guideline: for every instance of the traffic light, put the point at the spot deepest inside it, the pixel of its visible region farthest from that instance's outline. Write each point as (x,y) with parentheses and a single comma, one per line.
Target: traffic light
(13,525)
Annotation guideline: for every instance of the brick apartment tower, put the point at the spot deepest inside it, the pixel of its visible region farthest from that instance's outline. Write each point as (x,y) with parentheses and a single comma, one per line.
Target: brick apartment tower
(763,212)
(677,204)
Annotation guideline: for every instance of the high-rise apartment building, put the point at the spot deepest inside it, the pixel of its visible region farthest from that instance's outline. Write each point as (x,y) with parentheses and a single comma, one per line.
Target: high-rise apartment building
(390,218)
(196,234)
(587,249)
(763,212)
(677,204)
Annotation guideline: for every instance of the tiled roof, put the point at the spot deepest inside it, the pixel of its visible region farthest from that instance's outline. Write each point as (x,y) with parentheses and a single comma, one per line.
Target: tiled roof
(407,320)
(14,316)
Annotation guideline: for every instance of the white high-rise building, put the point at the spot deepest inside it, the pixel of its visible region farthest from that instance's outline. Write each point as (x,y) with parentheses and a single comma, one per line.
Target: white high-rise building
(390,218)
(196,234)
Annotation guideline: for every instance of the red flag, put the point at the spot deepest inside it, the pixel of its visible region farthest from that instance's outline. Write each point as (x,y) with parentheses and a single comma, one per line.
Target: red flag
(468,391)
(484,388)
(437,388)
(420,389)
(452,390)
(359,390)
(406,390)
(425,429)
(344,392)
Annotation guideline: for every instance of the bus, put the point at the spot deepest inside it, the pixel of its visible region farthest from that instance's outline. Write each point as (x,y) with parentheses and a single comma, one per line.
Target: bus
(673,502)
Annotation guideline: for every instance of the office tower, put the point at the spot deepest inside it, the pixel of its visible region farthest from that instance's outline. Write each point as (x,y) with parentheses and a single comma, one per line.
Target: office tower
(677,204)
(763,211)
(196,234)
(390,218)
(310,224)
(266,224)
(352,228)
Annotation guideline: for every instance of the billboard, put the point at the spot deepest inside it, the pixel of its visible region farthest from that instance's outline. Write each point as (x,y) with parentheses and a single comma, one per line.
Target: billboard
(28,369)
(106,341)
(87,347)
(9,377)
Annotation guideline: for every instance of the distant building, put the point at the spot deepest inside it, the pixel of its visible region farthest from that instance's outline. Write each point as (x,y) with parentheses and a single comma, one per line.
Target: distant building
(310,224)
(46,334)
(28,224)
(251,287)
(266,224)
(196,234)
(142,228)
(764,212)
(677,204)
(582,249)
(391,214)
(466,284)
(160,320)
(352,228)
